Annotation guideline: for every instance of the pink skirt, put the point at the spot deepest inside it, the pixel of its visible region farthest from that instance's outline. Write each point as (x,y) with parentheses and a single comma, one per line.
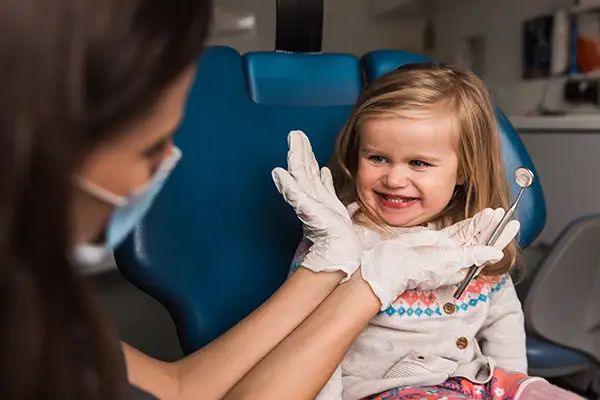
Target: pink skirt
(504,385)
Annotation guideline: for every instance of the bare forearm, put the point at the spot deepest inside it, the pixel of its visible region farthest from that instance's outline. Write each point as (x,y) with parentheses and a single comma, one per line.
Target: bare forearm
(212,371)
(301,365)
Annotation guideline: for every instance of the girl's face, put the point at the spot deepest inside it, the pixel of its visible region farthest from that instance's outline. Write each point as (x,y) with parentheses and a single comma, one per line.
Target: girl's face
(408,167)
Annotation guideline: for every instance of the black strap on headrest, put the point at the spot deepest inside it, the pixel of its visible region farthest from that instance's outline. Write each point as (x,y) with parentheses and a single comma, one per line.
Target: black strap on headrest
(299,26)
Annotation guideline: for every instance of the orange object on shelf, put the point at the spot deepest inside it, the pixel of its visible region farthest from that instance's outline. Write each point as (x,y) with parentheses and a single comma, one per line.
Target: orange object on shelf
(588,54)
(588,41)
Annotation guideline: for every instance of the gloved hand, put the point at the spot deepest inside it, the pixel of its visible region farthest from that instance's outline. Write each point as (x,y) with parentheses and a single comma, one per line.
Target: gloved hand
(478,229)
(462,232)
(391,266)
(428,259)
(326,221)
(473,231)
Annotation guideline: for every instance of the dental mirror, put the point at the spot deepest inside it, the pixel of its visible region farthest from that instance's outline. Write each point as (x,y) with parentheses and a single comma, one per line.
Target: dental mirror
(524,178)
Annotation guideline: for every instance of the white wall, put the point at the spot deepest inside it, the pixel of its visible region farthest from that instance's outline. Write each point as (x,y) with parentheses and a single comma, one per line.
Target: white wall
(349,27)
(499,21)
(567,163)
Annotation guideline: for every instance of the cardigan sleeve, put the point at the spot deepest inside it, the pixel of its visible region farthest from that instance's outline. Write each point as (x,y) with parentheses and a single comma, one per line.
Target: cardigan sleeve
(301,252)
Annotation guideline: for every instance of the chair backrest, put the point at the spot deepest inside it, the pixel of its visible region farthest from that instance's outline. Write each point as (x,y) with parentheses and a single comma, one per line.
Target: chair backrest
(219,239)
(563,302)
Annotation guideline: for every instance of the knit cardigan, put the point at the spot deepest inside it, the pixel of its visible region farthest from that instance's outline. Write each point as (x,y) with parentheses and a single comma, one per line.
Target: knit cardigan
(426,337)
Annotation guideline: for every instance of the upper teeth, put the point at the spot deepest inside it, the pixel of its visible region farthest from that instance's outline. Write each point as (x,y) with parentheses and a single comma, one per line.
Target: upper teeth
(398,199)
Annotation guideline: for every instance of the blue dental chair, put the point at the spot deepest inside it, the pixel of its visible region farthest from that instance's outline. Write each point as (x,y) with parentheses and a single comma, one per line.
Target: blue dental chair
(219,239)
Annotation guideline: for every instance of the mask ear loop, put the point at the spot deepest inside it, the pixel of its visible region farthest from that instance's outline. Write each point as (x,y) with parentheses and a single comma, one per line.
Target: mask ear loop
(119,201)
(100,193)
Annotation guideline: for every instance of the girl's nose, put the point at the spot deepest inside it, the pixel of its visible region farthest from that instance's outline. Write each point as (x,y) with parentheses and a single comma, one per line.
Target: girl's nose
(396,177)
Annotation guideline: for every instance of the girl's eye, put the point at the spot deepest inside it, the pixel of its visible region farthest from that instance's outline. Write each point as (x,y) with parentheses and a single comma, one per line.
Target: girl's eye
(378,159)
(419,164)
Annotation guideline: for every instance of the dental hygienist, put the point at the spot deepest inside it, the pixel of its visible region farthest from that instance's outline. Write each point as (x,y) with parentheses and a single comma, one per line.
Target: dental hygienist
(91,92)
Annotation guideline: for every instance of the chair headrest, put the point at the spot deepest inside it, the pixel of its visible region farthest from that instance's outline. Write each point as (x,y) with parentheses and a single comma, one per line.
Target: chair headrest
(308,80)
(377,63)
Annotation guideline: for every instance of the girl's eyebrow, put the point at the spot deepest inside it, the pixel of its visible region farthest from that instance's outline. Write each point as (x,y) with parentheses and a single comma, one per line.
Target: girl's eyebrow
(427,157)
(370,149)
(416,156)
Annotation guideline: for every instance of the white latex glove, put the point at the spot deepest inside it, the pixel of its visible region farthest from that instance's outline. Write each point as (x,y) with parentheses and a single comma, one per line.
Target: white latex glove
(428,259)
(473,231)
(326,221)
(478,229)
(390,267)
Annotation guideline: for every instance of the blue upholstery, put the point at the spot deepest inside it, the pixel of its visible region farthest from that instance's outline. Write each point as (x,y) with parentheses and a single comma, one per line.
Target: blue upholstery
(274,77)
(219,239)
(377,63)
(549,360)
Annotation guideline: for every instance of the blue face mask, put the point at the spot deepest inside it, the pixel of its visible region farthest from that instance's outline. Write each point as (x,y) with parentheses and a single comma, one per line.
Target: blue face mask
(129,210)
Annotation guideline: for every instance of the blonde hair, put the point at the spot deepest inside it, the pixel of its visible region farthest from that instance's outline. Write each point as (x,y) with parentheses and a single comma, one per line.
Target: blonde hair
(415,87)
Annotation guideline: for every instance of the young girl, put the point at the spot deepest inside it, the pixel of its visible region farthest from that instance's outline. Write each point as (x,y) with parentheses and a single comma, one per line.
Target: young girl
(421,150)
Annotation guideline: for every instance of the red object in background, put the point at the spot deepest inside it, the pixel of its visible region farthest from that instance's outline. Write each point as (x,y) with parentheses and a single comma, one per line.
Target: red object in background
(588,54)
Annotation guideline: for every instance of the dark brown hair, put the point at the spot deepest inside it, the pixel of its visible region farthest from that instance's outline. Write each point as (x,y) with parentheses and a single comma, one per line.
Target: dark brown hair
(71,73)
